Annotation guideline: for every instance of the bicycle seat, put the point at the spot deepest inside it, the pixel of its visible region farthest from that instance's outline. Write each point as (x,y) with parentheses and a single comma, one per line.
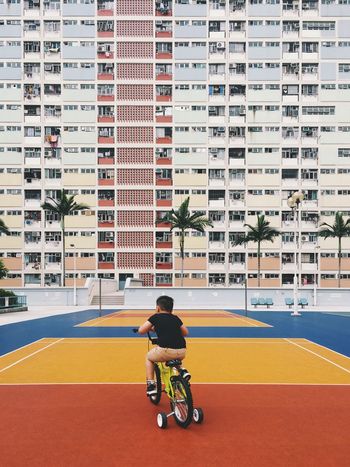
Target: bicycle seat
(173,363)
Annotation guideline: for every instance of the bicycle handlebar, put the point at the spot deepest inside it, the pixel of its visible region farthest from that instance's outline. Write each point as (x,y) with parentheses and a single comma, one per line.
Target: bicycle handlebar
(153,340)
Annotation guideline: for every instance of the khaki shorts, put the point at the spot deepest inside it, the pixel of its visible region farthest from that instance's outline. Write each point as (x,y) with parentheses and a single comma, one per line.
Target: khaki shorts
(160,354)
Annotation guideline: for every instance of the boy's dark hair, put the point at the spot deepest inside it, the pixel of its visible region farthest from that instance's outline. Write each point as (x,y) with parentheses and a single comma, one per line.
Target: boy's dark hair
(165,303)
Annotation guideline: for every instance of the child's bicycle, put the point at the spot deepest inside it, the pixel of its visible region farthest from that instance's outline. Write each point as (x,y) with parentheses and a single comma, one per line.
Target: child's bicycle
(178,389)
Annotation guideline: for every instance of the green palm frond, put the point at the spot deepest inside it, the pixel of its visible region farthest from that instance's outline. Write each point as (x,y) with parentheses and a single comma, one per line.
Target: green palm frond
(182,219)
(3,228)
(261,232)
(64,205)
(339,229)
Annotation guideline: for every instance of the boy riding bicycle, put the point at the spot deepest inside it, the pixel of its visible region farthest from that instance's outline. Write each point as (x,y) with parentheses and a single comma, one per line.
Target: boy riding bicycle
(171,343)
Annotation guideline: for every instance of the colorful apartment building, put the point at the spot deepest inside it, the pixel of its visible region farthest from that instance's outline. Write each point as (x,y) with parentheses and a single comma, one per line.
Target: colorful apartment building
(133,105)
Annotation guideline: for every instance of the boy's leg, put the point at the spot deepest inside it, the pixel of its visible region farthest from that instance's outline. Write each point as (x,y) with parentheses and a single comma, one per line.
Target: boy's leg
(159,354)
(151,358)
(149,370)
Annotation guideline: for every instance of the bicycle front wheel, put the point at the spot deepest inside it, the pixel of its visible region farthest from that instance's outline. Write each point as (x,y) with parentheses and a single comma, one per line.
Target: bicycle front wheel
(155,398)
(181,403)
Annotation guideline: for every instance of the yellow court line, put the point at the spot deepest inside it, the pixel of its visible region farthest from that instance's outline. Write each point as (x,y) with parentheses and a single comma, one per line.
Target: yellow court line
(31,355)
(318,355)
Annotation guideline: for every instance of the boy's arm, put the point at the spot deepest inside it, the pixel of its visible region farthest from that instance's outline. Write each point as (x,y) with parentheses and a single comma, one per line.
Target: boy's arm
(184,330)
(146,327)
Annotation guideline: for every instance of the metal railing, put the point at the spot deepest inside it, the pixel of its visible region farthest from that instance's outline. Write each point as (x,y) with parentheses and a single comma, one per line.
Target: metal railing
(13,302)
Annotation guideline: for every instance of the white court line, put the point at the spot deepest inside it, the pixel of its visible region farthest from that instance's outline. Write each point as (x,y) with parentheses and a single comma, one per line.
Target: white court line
(246,320)
(68,340)
(320,345)
(318,355)
(111,383)
(31,354)
(22,347)
(93,322)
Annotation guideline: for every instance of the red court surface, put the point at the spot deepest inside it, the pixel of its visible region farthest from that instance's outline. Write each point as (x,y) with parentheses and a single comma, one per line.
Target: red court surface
(115,425)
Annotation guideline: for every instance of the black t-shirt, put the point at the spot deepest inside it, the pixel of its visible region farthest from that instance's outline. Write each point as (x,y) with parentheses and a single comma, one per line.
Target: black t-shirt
(167,327)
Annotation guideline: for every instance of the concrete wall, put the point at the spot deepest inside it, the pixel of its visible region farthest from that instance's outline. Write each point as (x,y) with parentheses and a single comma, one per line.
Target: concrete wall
(229,298)
(53,296)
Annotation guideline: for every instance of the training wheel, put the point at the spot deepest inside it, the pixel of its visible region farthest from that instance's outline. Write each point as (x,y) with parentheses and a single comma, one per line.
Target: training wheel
(198,415)
(162,420)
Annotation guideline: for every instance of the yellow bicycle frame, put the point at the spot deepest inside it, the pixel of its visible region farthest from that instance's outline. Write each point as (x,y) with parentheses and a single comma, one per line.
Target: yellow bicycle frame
(166,372)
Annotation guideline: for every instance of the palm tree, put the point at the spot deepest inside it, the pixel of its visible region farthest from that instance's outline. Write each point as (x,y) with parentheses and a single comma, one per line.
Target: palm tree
(3,270)
(339,230)
(63,206)
(182,220)
(3,228)
(261,232)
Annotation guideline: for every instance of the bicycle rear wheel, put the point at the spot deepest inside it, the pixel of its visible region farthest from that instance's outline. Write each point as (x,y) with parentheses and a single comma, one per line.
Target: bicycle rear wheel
(155,398)
(181,403)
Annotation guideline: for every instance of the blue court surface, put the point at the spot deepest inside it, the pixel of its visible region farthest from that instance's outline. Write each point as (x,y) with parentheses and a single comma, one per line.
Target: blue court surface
(331,330)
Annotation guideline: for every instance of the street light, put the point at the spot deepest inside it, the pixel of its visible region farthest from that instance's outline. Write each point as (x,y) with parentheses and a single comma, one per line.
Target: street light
(74,279)
(294,203)
(317,248)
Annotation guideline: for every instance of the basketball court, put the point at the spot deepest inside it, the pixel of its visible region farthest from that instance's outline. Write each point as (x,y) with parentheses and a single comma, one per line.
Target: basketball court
(75,394)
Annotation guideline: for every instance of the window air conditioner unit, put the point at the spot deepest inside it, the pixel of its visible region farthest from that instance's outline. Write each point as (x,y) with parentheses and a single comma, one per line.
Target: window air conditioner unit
(220,45)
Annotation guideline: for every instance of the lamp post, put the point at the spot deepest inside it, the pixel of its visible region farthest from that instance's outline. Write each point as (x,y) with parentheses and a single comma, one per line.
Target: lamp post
(315,277)
(72,245)
(294,203)
(245,283)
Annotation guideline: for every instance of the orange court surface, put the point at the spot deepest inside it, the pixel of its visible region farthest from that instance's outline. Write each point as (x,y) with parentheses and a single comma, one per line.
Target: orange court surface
(192,318)
(275,392)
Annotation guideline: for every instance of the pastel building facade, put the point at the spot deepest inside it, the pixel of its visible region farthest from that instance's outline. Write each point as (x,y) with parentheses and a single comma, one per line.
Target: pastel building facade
(133,105)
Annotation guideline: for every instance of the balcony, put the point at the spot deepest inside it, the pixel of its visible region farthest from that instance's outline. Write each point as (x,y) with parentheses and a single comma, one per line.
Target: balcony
(164,51)
(164,29)
(105,265)
(105,159)
(105,245)
(164,161)
(105,139)
(164,265)
(32,8)
(105,72)
(164,244)
(164,8)
(163,76)
(164,202)
(164,135)
(106,221)
(163,93)
(105,8)
(106,180)
(52,9)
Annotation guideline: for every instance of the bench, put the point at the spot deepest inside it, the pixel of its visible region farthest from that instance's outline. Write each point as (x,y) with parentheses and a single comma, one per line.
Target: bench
(261,301)
(303,302)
